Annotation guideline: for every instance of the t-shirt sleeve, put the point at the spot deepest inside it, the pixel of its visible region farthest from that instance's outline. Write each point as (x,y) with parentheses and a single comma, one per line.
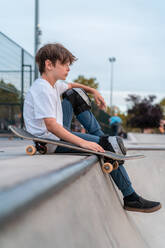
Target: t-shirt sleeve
(43,105)
(62,86)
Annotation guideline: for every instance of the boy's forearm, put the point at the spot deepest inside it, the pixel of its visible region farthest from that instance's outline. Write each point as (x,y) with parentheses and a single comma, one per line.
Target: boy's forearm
(62,133)
(86,88)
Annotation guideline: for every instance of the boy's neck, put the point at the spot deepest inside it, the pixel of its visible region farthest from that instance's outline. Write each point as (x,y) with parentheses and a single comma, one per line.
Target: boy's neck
(49,79)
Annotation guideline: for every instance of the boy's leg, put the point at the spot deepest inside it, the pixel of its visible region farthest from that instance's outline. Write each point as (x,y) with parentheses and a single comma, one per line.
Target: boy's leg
(89,122)
(85,136)
(86,118)
(132,201)
(67,113)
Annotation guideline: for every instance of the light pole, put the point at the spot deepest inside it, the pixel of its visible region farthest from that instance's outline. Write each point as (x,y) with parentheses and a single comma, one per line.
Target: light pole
(37,34)
(111,60)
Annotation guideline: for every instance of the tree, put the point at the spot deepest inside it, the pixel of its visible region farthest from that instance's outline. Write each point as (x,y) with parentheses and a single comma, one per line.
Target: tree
(143,113)
(162,105)
(9,103)
(8,93)
(162,102)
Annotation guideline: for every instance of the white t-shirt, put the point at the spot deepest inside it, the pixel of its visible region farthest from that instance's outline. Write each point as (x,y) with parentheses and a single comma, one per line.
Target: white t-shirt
(43,101)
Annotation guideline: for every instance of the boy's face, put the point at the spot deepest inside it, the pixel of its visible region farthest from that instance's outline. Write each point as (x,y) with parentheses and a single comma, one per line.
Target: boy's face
(59,71)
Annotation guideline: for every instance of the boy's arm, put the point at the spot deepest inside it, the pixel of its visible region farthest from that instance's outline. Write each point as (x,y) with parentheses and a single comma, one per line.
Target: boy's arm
(55,128)
(98,98)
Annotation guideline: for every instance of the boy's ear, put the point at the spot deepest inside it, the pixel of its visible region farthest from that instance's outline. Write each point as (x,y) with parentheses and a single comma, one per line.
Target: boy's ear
(48,65)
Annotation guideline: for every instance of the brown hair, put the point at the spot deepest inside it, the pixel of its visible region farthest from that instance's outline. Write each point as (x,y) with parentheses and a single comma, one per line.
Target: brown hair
(53,52)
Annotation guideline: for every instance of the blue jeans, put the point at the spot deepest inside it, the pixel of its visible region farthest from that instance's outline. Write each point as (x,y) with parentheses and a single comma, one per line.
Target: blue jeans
(87,119)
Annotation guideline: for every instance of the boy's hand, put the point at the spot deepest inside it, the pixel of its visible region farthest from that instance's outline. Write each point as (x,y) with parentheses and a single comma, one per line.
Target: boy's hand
(99,100)
(91,146)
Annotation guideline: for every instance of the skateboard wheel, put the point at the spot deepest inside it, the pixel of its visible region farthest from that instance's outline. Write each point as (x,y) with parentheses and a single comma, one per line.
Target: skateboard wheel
(107,168)
(31,150)
(42,149)
(115,165)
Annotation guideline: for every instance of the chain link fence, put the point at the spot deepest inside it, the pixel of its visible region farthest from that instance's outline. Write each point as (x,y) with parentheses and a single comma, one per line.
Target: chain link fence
(16,76)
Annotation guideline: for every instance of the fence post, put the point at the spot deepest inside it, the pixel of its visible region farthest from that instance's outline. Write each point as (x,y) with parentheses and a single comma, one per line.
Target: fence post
(22,85)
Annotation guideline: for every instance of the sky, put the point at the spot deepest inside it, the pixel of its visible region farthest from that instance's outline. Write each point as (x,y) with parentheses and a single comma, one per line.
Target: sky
(131,31)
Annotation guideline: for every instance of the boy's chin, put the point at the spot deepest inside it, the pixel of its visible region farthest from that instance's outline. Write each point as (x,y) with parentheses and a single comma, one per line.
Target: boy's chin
(63,78)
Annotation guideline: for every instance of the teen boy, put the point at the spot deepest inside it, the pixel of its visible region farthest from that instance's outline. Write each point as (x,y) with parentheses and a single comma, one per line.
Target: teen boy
(45,116)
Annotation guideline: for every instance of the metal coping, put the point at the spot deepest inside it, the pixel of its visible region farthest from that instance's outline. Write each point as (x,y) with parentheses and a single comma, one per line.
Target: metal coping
(14,200)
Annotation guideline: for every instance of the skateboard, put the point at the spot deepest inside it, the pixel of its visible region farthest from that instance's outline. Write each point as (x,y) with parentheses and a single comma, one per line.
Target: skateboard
(40,146)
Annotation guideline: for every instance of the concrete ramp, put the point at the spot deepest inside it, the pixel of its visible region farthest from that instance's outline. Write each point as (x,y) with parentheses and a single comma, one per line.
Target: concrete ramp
(88,212)
(148,177)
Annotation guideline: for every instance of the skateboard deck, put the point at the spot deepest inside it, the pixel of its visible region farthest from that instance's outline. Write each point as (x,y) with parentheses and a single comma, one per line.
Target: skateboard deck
(146,147)
(40,146)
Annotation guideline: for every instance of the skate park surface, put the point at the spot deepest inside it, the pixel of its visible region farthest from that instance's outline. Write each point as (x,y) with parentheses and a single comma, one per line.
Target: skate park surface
(87,212)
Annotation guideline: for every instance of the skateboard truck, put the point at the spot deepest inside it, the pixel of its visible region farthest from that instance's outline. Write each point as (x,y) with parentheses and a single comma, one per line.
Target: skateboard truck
(39,146)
